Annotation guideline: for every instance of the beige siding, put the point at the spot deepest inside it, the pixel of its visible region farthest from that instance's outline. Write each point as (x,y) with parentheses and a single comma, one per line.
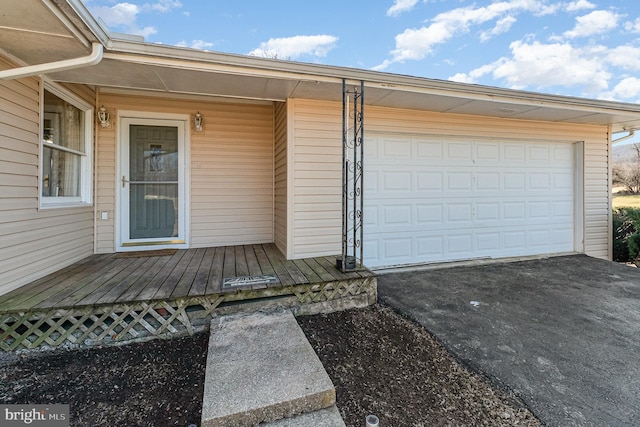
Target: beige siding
(280,176)
(316,193)
(35,241)
(231,170)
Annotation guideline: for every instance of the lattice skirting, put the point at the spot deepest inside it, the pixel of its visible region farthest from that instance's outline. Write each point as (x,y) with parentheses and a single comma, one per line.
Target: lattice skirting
(135,321)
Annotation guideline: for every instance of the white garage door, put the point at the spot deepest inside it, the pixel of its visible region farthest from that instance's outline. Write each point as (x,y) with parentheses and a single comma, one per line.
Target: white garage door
(432,199)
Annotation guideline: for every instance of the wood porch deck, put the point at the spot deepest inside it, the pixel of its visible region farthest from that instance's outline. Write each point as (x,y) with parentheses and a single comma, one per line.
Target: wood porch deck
(118,297)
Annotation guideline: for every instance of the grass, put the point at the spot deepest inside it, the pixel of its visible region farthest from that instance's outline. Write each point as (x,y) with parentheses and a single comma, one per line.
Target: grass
(630,201)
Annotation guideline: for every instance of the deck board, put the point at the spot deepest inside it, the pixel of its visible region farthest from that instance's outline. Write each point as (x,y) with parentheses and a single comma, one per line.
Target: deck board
(107,279)
(27,291)
(322,272)
(188,278)
(18,297)
(173,277)
(280,269)
(93,291)
(114,292)
(214,284)
(154,279)
(241,262)
(229,266)
(252,261)
(308,272)
(93,272)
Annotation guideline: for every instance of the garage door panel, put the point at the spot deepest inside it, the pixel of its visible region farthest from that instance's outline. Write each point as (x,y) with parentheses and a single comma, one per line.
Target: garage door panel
(454,199)
(459,214)
(396,181)
(430,247)
(488,152)
(539,153)
(514,181)
(487,181)
(488,213)
(514,153)
(396,149)
(397,250)
(429,215)
(429,181)
(488,243)
(428,150)
(397,215)
(460,152)
(458,181)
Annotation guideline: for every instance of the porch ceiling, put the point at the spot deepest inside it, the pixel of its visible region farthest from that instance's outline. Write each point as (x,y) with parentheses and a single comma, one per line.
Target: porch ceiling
(41,31)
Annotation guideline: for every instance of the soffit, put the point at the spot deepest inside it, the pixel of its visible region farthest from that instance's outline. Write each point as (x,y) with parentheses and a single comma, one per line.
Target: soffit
(198,78)
(33,33)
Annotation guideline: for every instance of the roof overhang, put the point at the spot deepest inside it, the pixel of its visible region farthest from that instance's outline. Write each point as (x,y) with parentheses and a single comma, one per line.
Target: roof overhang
(170,70)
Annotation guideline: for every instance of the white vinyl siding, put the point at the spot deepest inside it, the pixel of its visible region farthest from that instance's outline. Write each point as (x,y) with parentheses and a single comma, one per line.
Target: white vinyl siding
(231,170)
(35,242)
(317,141)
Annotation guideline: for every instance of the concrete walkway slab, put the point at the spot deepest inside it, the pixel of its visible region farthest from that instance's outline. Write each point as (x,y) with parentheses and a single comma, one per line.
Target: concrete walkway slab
(329,417)
(562,333)
(260,367)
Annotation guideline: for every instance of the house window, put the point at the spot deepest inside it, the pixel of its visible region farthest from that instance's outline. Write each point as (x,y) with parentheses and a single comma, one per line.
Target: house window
(66,156)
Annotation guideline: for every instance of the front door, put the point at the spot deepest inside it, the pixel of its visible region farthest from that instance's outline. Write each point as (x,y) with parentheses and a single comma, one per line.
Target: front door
(152,184)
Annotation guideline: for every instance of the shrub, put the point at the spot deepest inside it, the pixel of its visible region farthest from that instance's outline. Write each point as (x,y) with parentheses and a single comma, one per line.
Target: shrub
(620,233)
(626,234)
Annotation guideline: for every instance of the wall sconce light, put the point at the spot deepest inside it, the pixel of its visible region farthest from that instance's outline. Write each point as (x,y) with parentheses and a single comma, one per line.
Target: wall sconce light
(197,122)
(103,117)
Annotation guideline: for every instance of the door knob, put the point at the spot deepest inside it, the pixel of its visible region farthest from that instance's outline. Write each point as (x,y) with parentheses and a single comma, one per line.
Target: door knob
(124,181)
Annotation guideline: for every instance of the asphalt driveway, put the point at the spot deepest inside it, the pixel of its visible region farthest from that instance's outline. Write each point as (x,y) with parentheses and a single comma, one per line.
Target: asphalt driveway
(562,334)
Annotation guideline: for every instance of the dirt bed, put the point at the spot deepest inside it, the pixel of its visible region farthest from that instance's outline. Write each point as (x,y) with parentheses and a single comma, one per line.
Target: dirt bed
(385,365)
(156,383)
(379,362)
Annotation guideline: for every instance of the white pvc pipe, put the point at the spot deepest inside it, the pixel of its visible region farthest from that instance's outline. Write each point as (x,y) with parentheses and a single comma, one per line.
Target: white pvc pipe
(51,67)
(372,421)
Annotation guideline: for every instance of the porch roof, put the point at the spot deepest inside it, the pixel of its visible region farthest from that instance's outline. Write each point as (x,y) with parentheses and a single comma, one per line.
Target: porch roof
(30,35)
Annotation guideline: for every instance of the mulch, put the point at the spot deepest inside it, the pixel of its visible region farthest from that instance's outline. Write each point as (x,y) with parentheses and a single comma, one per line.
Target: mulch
(155,383)
(379,362)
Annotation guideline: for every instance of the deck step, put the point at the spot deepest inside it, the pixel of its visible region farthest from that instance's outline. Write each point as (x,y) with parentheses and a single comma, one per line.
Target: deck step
(261,368)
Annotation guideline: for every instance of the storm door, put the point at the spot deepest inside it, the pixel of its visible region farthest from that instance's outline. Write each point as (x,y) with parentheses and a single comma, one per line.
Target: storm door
(152,183)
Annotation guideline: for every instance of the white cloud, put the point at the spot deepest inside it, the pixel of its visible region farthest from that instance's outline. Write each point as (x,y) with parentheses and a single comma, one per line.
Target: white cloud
(294,47)
(415,44)
(164,6)
(632,27)
(474,75)
(578,5)
(121,14)
(502,26)
(124,16)
(195,44)
(400,6)
(628,88)
(626,57)
(546,65)
(596,22)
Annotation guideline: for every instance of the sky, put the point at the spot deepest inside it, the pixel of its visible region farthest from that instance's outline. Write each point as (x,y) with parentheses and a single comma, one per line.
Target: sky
(583,48)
